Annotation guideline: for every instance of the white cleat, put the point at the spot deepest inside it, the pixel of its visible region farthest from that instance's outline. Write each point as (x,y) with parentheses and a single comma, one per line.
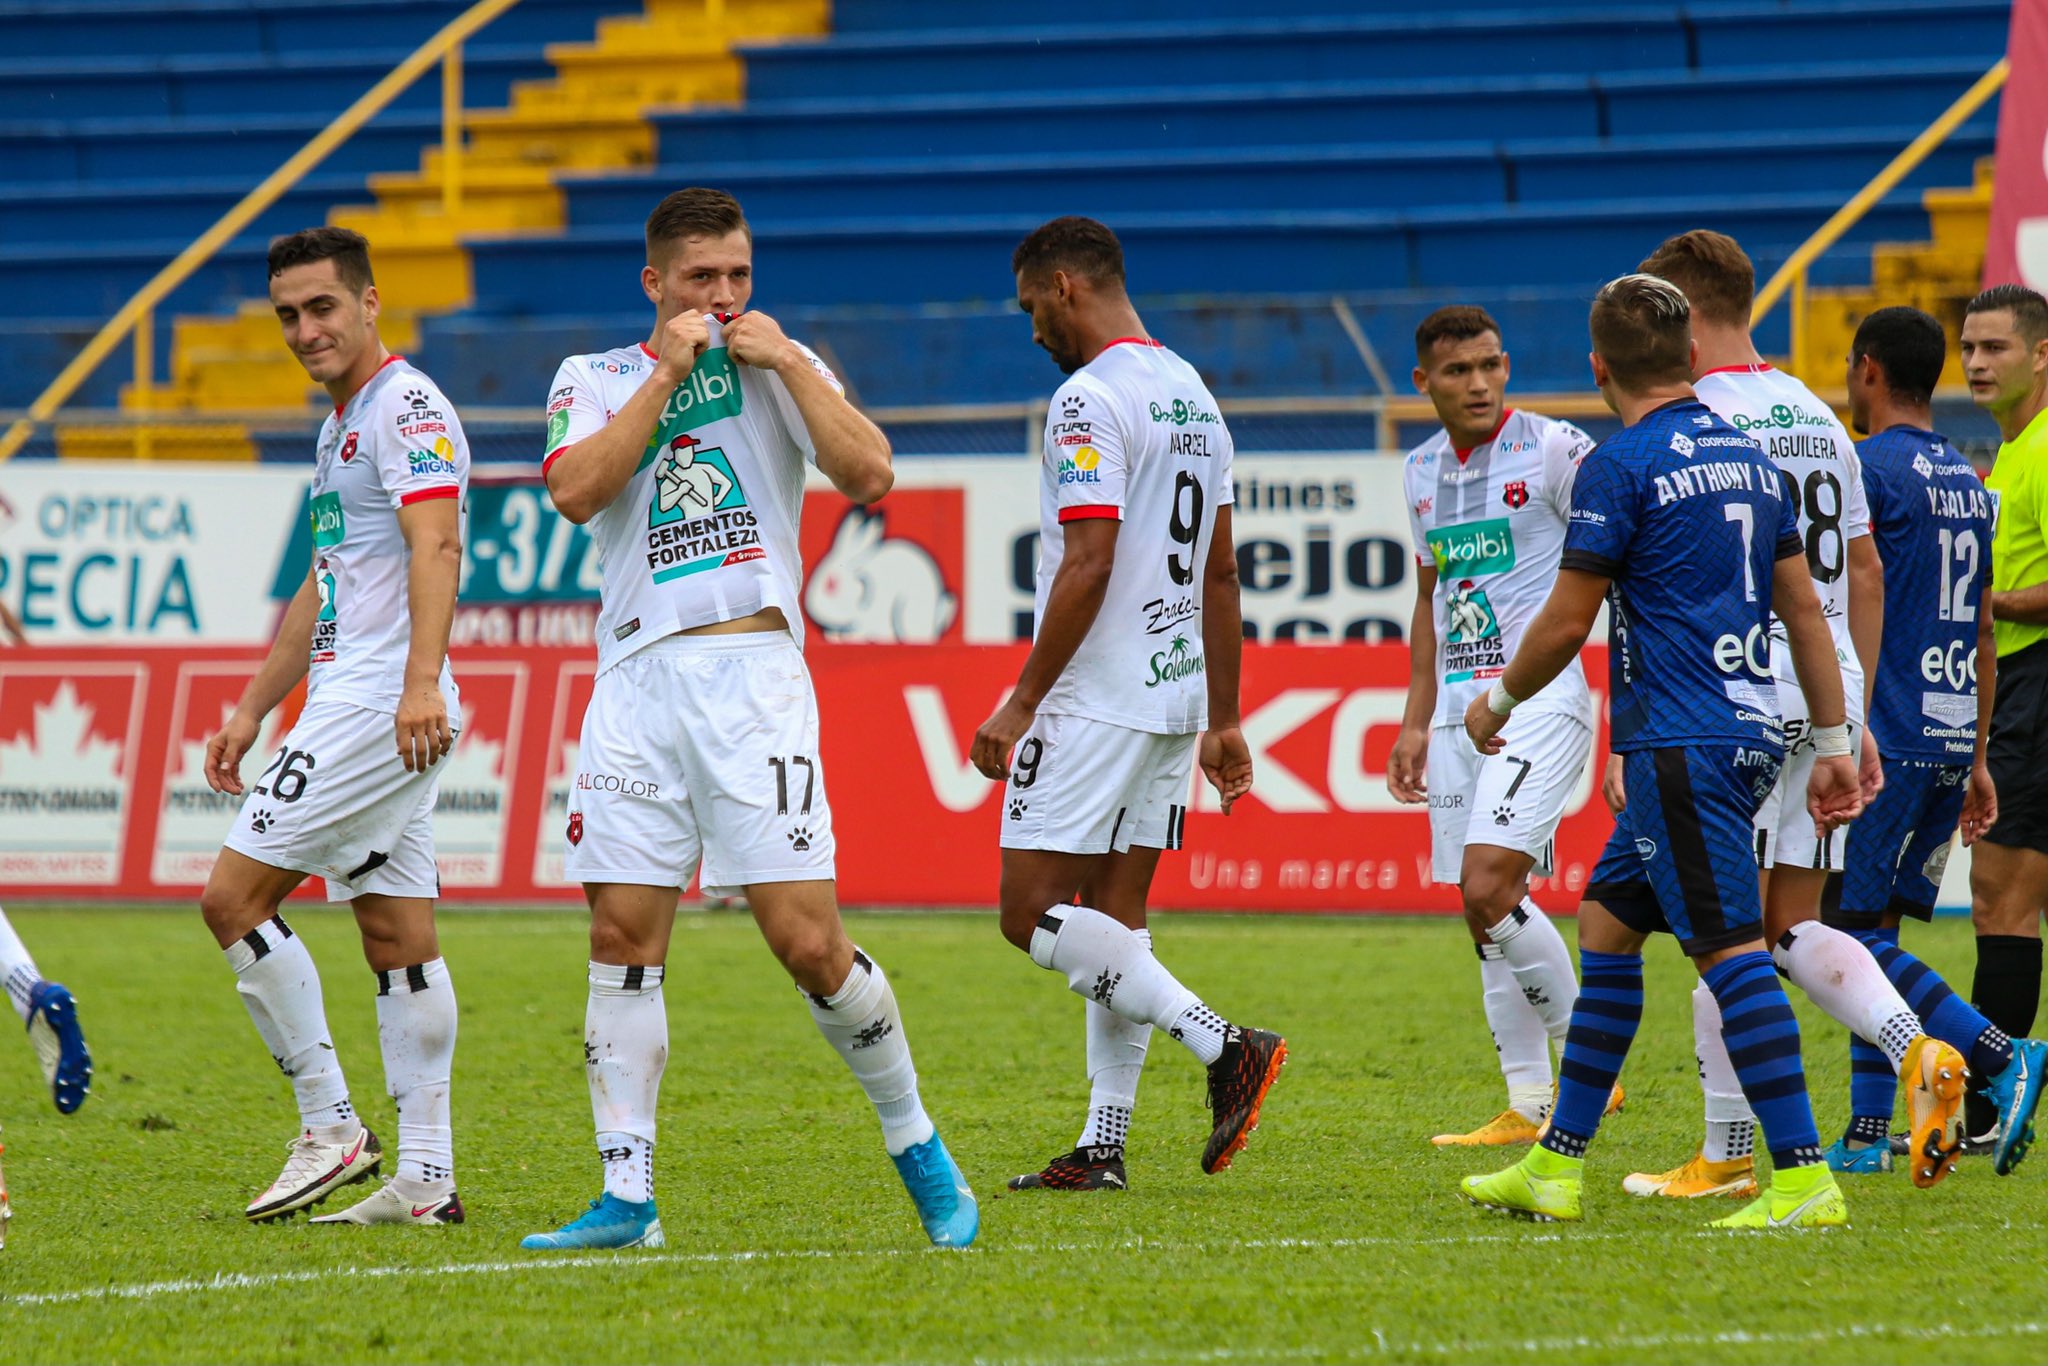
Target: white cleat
(386,1206)
(313,1170)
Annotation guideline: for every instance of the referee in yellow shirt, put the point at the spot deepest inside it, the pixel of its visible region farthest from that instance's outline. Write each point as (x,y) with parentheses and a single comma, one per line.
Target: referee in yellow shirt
(2005,360)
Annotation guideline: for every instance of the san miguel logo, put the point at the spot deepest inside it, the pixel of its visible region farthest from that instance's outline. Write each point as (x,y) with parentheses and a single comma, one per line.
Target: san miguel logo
(1515,494)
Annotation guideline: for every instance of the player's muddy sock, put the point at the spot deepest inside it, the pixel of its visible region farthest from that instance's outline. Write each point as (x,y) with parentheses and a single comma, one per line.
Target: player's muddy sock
(280,987)
(1541,963)
(863,1025)
(1838,974)
(416,1030)
(1731,1128)
(625,1051)
(1763,1042)
(1116,1059)
(1604,1021)
(17,970)
(1944,1014)
(1107,963)
(1518,1035)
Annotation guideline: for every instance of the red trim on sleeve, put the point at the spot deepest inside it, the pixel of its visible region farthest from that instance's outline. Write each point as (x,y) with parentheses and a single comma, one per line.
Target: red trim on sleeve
(1464,453)
(1132,341)
(1762,367)
(1085,511)
(651,353)
(424,495)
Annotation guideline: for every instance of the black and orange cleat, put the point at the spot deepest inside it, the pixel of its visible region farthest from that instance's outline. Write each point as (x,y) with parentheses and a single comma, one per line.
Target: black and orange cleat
(1097,1168)
(1238,1082)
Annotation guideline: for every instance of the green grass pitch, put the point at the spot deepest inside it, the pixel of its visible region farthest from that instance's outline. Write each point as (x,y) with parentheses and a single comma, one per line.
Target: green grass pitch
(1338,1235)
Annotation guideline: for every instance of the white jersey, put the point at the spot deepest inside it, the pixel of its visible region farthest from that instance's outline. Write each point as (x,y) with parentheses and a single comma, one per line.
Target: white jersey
(1135,435)
(1803,438)
(396,442)
(706,529)
(1492,520)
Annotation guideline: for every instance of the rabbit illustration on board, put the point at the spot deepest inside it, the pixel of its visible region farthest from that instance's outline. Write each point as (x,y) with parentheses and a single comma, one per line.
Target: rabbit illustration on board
(868,588)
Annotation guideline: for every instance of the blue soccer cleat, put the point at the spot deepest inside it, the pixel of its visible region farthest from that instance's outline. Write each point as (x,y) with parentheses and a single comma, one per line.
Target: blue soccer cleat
(1865,1161)
(59,1044)
(2017,1093)
(609,1223)
(945,1206)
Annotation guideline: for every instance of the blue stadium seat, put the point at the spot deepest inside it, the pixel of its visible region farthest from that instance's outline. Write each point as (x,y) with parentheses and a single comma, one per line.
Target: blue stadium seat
(172,28)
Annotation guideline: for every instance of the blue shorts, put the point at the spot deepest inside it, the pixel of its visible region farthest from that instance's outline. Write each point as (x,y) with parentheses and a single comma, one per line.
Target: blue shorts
(1682,859)
(1899,846)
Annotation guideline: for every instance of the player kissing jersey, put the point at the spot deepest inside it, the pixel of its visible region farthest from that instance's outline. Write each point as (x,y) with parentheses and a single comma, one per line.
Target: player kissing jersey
(1931,516)
(1135,435)
(1492,521)
(706,528)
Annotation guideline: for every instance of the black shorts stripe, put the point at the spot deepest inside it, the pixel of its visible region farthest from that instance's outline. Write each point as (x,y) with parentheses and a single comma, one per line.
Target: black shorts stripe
(1688,844)
(1176,826)
(1118,824)
(377,859)
(1763,849)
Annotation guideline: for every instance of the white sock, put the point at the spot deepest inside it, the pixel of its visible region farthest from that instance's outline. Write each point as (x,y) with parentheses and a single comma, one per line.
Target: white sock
(625,1049)
(1106,962)
(1838,974)
(1542,965)
(281,989)
(1518,1036)
(861,1022)
(416,1029)
(1116,1059)
(1731,1125)
(17,970)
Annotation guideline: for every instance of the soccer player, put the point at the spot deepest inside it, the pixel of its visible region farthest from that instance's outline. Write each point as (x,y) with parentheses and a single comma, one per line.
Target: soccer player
(1683,526)
(349,796)
(685,455)
(1488,497)
(2005,360)
(1135,653)
(51,1018)
(1803,439)
(1931,703)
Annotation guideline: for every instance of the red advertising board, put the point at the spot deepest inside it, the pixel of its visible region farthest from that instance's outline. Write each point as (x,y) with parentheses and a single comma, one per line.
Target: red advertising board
(100,790)
(2016,249)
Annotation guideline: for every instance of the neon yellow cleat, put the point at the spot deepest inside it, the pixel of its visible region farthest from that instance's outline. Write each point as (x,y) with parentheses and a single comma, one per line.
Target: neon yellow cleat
(1542,1186)
(1509,1126)
(1799,1197)
(1696,1178)
(1932,1080)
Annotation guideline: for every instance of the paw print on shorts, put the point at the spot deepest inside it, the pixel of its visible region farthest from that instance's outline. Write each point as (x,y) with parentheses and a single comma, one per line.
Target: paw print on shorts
(800,840)
(1017,810)
(1503,815)
(260,821)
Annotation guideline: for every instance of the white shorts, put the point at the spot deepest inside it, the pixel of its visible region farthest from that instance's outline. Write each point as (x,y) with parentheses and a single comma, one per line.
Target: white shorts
(1784,827)
(1081,786)
(336,802)
(702,749)
(1513,799)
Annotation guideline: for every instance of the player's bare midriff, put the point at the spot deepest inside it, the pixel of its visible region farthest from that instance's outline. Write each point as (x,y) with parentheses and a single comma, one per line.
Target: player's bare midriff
(767,619)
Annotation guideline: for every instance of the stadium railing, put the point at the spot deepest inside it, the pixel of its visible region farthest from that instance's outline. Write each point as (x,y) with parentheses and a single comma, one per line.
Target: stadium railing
(134,319)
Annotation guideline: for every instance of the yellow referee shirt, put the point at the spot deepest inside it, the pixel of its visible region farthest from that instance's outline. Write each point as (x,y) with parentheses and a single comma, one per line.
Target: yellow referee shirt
(2019,541)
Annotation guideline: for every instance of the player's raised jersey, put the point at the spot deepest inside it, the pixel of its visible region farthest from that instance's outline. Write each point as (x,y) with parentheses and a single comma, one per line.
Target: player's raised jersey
(1931,516)
(1135,435)
(1492,521)
(706,529)
(1687,517)
(396,442)
(1802,437)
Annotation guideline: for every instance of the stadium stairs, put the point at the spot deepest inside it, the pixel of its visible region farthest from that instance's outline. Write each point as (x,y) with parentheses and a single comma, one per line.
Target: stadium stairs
(1258,167)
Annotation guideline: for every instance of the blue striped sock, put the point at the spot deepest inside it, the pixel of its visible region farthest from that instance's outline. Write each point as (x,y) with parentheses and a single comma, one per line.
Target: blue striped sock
(1873,1086)
(1947,1016)
(1763,1043)
(1604,1021)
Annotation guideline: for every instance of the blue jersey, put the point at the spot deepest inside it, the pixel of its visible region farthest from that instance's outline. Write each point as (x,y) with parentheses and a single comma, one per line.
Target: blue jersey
(1687,516)
(1932,520)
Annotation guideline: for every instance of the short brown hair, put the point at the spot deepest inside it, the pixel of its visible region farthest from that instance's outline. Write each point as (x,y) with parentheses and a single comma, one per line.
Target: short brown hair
(695,212)
(1458,322)
(1076,245)
(349,250)
(2029,310)
(1716,274)
(1642,329)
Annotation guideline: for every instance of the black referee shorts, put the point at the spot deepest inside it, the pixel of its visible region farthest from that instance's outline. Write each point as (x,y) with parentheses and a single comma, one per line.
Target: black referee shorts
(2017,751)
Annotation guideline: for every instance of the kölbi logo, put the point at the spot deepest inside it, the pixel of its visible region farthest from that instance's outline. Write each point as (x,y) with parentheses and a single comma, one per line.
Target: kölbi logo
(1474,548)
(711,392)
